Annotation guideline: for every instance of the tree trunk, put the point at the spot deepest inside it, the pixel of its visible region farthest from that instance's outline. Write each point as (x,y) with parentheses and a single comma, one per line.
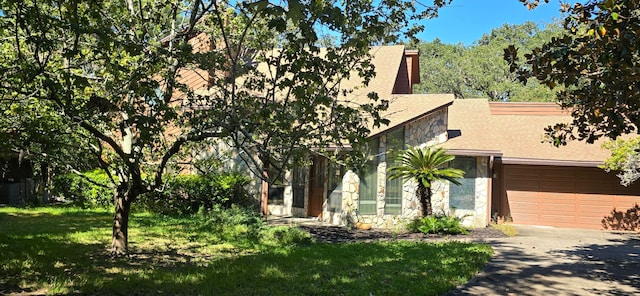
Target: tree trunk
(120,237)
(265,195)
(425,200)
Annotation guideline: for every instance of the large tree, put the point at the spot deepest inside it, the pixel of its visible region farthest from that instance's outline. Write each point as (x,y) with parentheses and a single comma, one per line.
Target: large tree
(596,62)
(116,71)
(479,70)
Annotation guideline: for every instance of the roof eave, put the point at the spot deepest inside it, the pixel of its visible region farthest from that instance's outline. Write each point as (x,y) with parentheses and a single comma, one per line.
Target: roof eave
(423,115)
(474,152)
(550,162)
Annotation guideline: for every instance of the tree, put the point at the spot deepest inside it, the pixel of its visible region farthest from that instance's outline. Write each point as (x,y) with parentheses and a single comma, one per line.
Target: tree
(442,69)
(479,70)
(596,62)
(115,70)
(625,158)
(425,166)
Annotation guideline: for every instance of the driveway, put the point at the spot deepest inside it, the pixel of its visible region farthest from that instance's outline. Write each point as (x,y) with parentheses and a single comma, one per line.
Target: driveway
(557,261)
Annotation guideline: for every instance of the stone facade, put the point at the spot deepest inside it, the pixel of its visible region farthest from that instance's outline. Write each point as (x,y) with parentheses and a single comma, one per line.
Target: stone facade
(429,130)
(472,218)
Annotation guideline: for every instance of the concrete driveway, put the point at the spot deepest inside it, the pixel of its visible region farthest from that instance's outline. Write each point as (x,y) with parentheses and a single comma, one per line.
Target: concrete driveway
(557,261)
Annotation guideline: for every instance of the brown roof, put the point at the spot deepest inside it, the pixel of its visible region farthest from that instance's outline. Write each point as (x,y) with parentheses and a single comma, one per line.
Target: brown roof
(518,136)
(386,60)
(403,108)
(406,108)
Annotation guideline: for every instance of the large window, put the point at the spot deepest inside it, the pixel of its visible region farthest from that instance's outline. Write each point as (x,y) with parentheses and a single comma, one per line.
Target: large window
(393,197)
(463,196)
(334,190)
(369,180)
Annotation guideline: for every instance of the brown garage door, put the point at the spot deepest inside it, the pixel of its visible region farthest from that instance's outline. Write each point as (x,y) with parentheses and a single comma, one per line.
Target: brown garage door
(577,197)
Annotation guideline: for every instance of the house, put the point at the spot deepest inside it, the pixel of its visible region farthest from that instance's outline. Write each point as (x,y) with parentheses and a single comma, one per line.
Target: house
(16,180)
(510,173)
(532,181)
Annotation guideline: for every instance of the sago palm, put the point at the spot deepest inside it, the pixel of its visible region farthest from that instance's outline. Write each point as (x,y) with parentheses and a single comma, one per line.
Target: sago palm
(425,166)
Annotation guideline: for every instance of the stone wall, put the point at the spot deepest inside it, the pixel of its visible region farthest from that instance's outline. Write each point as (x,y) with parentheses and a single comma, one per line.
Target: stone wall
(471,218)
(429,130)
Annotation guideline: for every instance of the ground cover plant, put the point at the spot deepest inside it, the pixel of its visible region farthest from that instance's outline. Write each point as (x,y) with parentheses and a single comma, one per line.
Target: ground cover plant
(438,224)
(226,252)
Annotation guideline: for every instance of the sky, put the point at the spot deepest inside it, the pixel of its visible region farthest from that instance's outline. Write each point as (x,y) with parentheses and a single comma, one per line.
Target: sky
(467,20)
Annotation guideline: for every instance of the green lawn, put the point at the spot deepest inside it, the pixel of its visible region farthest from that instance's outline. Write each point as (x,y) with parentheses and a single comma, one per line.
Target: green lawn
(60,251)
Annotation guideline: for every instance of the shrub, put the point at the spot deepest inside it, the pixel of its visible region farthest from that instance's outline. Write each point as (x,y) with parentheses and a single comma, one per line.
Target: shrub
(438,225)
(235,224)
(285,236)
(244,227)
(191,194)
(83,193)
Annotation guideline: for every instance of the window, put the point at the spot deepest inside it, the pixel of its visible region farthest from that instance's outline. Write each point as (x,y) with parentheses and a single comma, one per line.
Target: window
(299,176)
(334,190)
(463,196)
(393,197)
(276,188)
(369,180)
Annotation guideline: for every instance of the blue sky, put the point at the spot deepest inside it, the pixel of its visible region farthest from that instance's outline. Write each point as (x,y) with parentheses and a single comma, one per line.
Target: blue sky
(467,20)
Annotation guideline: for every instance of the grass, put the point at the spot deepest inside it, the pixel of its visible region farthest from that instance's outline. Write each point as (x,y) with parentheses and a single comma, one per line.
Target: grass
(63,251)
(507,229)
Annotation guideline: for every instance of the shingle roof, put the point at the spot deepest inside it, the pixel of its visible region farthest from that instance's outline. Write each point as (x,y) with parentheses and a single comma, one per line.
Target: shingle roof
(406,108)
(386,60)
(516,136)
(402,108)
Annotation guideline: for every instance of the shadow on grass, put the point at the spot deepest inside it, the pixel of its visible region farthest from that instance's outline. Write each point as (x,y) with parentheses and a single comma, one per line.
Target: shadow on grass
(52,254)
(323,269)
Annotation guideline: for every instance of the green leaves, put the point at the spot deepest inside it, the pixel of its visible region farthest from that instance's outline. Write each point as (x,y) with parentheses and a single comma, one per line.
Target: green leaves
(480,70)
(596,60)
(425,165)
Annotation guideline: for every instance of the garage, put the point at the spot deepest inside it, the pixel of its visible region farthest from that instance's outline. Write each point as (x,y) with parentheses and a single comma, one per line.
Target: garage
(565,196)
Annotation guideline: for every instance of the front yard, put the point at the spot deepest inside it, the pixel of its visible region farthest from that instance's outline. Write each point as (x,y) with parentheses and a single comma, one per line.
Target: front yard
(60,251)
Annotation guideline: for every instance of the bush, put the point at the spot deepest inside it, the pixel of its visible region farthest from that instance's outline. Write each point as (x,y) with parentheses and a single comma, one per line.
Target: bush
(234,225)
(83,193)
(438,225)
(285,236)
(243,227)
(191,194)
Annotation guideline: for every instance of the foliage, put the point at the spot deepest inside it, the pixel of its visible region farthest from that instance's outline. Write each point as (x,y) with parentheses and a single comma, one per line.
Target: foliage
(236,225)
(285,236)
(479,70)
(190,194)
(425,166)
(88,190)
(61,251)
(438,224)
(596,62)
(118,74)
(625,158)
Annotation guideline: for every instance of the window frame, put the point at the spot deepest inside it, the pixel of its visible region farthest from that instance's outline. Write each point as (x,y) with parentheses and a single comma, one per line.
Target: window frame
(368,193)
(458,198)
(393,188)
